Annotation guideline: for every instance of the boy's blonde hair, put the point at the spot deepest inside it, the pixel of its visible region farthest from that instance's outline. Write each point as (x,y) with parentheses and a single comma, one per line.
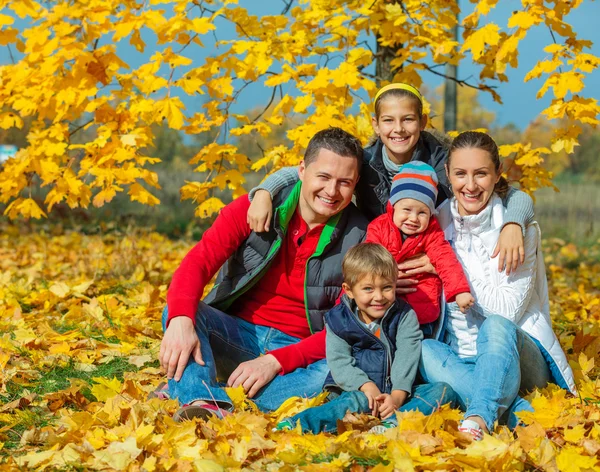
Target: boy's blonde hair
(370,259)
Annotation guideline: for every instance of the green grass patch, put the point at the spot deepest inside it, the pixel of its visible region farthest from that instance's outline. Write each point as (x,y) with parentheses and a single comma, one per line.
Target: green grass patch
(58,378)
(30,418)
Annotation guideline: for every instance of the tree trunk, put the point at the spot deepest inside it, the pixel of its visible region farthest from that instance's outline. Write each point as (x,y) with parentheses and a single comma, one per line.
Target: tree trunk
(450,95)
(383,68)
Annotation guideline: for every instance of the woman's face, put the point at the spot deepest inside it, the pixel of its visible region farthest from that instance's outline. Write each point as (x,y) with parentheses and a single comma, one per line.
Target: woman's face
(473,176)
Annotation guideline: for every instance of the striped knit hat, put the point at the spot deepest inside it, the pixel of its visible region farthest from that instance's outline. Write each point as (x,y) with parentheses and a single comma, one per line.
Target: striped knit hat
(415,180)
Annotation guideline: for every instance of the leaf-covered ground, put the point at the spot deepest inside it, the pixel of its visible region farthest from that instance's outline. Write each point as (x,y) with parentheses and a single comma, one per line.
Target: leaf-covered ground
(79,335)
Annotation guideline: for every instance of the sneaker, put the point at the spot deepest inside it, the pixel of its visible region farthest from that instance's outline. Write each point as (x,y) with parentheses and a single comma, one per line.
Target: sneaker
(161,392)
(383,427)
(472,428)
(285,425)
(203,411)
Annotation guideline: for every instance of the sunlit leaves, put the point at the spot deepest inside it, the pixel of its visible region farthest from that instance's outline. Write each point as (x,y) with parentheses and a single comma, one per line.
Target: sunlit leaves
(314,58)
(75,304)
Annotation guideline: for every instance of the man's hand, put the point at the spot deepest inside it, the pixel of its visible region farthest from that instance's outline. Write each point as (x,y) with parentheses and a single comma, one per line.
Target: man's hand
(372,392)
(255,374)
(511,248)
(180,340)
(260,212)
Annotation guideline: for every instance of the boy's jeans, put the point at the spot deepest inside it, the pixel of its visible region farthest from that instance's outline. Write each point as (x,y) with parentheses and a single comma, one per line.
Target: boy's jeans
(225,342)
(425,398)
(507,362)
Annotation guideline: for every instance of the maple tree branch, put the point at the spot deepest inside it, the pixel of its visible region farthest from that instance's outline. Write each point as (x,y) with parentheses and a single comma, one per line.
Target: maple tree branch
(288,6)
(458,81)
(267,107)
(71,133)
(188,43)
(12,59)
(408,14)
(555,42)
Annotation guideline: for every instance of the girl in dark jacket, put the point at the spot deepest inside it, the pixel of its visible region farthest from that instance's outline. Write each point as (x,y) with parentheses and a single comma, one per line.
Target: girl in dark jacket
(399,125)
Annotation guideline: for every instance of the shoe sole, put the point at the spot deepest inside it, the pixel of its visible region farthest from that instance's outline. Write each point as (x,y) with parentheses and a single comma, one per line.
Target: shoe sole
(193,411)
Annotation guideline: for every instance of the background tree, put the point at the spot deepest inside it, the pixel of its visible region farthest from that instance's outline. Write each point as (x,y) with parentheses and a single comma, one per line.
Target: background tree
(317,57)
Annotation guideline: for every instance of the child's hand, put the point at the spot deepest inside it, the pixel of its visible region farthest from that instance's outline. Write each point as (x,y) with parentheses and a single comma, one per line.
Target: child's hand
(389,403)
(465,301)
(260,212)
(372,392)
(511,248)
(386,404)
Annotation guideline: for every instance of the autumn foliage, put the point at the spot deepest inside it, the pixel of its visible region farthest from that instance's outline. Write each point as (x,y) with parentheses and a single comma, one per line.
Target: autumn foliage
(316,57)
(80,324)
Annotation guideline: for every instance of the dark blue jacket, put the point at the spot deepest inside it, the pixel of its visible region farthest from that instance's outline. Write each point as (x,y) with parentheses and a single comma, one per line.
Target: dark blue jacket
(373,356)
(373,188)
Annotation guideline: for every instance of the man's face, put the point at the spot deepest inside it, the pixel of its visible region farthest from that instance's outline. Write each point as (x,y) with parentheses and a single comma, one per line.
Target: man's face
(327,185)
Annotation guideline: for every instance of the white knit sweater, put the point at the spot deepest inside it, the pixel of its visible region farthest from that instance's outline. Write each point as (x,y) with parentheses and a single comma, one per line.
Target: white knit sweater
(494,292)
(521,297)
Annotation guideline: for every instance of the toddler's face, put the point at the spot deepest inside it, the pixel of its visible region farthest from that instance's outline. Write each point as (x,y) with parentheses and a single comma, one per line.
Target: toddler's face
(411,216)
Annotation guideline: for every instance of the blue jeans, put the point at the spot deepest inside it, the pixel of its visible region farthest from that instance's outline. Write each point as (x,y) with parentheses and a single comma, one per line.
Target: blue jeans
(508,362)
(225,342)
(425,398)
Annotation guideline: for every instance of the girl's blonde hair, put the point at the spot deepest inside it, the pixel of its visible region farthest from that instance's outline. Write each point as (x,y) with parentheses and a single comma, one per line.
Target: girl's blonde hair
(368,259)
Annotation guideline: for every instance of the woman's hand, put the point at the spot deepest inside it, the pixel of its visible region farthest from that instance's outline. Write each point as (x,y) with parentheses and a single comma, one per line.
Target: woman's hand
(260,212)
(510,248)
(417,264)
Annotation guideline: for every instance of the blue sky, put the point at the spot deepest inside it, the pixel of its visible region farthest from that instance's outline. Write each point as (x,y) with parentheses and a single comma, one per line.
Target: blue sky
(520,104)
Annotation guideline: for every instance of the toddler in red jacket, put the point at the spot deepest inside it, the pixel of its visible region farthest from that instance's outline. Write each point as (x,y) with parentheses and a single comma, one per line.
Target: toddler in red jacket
(409,228)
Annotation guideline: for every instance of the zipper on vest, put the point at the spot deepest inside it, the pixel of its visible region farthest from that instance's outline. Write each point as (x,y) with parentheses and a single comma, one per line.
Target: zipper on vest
(388,365)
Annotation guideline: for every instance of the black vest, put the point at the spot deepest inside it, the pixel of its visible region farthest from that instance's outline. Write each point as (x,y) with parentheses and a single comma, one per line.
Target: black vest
(323,280)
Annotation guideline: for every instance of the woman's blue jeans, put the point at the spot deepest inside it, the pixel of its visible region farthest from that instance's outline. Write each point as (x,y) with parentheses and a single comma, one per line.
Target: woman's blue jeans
(425,398)
(508,363)
(225,342)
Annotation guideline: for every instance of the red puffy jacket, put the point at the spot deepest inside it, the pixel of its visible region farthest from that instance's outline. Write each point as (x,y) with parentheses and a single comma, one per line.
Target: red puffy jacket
(426,300)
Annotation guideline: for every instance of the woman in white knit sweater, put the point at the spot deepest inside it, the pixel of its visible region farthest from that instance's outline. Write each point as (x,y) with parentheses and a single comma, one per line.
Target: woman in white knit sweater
(504,346)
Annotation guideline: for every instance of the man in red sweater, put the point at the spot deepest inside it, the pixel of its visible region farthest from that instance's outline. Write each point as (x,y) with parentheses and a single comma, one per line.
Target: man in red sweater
(261,326)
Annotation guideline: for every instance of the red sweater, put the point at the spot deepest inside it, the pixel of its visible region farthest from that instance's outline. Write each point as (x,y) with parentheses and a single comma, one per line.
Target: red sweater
(426,300)
(276,301)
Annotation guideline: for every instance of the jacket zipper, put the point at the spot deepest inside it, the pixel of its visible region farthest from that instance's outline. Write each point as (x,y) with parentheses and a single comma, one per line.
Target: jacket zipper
(388,364)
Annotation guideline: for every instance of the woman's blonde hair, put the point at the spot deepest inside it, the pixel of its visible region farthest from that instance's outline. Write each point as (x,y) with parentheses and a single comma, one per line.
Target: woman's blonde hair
(368,259)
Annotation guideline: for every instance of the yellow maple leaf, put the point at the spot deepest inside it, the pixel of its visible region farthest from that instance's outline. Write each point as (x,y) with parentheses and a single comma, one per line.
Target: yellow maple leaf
(477,41)
(523,19)
(209,207)
(202,25)
(137,193)
(137,41)
(8,35)
(105,389)
(6,20)
(170,109)
(28,208)
(10,120)
(570,459)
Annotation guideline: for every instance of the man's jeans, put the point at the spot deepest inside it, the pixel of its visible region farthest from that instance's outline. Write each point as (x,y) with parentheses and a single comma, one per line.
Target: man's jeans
(225,342)
(488,385)
(425,398)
